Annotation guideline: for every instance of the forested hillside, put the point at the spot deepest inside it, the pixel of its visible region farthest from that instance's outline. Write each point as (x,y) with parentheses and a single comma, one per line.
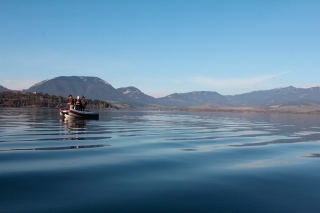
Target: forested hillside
(19,99)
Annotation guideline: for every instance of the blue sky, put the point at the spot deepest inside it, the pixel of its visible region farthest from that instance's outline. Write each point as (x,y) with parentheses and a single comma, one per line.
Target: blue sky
(162,47)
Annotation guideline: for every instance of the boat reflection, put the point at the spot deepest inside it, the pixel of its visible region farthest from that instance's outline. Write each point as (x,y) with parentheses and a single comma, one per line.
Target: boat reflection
(74,124)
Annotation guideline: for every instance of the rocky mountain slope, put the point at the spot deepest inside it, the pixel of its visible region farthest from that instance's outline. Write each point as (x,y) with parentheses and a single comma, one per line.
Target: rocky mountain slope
(90,87)
(194,99)
(137,96)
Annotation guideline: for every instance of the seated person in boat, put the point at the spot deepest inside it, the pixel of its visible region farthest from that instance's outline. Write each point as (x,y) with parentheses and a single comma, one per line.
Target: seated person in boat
(78,103)
(83,103)
(71,102)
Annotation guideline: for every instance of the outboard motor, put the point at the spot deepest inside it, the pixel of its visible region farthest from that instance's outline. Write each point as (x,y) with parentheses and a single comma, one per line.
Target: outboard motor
(64,111)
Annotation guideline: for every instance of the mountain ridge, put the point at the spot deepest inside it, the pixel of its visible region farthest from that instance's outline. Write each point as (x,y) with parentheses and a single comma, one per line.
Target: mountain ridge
(96,88)
(3,89)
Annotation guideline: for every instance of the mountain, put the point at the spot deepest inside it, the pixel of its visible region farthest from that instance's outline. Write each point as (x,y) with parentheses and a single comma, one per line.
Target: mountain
(194,99)
(263,98)
(90,87)
(137,96)
(96,88)
(3,89)
(93,88)
(279,96)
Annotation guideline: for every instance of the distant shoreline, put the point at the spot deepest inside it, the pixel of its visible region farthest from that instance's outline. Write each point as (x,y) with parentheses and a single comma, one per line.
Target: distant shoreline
(199,109)
(271,110)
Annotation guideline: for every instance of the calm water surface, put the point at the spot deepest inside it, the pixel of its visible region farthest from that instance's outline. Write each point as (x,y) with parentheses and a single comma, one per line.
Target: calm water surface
(153,161)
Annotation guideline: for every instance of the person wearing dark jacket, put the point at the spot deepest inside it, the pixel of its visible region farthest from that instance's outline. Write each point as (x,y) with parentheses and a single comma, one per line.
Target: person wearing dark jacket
(83,103)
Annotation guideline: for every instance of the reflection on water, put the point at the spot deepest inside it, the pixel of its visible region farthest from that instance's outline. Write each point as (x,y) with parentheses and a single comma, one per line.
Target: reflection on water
(73,123)
(131,161)
(57,148)
(316,155)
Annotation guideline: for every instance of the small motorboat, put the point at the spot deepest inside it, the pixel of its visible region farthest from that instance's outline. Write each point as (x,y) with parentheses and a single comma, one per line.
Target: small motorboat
(72,113)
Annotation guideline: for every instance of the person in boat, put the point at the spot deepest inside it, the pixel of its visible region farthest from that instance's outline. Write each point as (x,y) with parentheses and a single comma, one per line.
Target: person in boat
(71,102)
(78,103)
(83,103)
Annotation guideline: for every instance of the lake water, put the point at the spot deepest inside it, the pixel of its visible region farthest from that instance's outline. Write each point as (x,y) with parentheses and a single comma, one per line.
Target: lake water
(154,161)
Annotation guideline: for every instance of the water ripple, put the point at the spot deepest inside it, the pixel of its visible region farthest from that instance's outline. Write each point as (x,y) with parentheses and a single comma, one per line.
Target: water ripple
(57,148)
(141,161)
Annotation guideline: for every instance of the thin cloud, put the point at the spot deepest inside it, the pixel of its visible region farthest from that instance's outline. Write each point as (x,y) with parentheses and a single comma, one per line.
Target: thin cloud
(306,85)
(233,82)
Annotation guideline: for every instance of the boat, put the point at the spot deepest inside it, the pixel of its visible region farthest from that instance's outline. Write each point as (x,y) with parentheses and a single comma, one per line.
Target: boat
(72,113)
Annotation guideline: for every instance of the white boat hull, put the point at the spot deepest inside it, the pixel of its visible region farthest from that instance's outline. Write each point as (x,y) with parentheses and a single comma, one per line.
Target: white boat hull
(72,113)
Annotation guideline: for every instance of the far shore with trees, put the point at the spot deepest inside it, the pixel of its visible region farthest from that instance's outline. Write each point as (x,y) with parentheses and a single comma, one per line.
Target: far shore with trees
(40,100)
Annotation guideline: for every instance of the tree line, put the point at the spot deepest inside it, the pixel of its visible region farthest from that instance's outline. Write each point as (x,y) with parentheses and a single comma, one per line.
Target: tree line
(28,99)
